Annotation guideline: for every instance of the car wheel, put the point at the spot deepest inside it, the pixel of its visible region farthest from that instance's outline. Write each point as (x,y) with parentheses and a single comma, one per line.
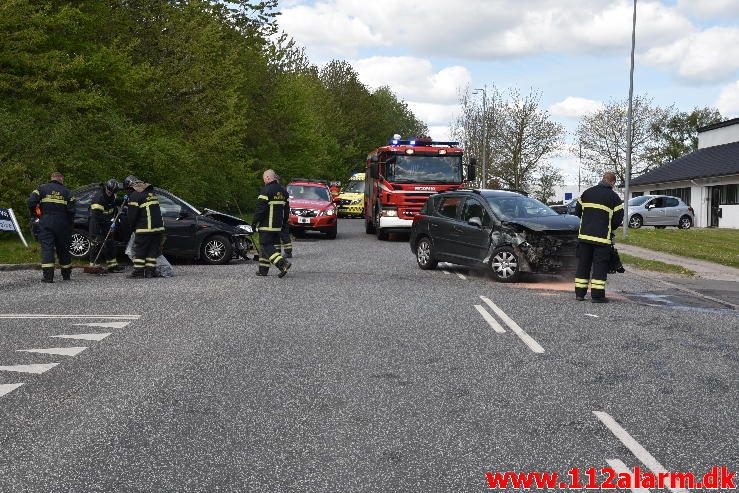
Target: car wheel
(80,245)
(660,227)
(216,250)
(505,265)
(381,234)
(331,233)
(636,221)
(425,255)
(685,223)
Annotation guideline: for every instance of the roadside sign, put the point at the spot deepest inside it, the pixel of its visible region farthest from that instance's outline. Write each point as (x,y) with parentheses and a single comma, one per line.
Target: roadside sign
(9,223)
(568,196)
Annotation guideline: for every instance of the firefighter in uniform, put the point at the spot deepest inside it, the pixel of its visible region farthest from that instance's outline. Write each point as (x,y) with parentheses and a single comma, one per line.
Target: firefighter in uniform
(270,214)
(286,243)
(102,214)
(145,218)
(57,215)
(601,212)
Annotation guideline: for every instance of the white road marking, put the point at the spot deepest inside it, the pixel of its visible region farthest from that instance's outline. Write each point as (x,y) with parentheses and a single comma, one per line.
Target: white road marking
(107,325)
(620,468)
(591,315)
(6,388)
(61,351)
(32,315)
(490,320)
(527,339)
(446,272)
(461,276)
(85,337)
(37,369)
(639,452)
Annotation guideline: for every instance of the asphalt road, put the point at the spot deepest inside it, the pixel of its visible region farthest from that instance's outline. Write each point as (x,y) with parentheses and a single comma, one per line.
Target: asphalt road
(357,372)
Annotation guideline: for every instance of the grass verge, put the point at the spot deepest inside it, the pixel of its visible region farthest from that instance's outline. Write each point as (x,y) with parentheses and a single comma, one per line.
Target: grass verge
(714,245)
(654,265)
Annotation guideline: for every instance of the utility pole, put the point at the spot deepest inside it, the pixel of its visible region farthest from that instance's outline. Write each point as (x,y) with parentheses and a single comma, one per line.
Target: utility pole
(484,91)
(629,118)
(579,169)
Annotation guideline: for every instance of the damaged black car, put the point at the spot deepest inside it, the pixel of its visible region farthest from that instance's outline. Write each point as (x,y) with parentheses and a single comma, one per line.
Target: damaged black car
(503,231)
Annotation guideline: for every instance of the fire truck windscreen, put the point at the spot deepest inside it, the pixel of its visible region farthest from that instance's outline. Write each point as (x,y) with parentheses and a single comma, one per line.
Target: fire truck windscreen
(425,169)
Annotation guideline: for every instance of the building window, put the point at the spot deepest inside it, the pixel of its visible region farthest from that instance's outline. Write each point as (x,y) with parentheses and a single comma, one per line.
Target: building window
(682,193)
(729,194)
(636,194)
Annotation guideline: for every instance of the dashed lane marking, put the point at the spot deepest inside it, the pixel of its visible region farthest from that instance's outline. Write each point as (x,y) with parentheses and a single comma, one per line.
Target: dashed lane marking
(592,315)
(490,320)
(446,272)
(527,339)
(85,337)
(37,369)
(461,276)
(635,447)
(39,315)
(61,351)
(107,325)
(620,468)
(6,388)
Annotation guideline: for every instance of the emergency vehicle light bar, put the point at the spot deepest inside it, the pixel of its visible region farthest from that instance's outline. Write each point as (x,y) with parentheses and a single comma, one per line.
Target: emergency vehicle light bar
(418,142)
(311,180)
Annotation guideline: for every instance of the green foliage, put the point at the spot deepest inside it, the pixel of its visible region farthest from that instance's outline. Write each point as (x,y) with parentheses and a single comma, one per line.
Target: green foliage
(676,132)
(192,95)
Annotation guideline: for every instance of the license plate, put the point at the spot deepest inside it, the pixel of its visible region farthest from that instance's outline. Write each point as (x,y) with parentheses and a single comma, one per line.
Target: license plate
(303,220)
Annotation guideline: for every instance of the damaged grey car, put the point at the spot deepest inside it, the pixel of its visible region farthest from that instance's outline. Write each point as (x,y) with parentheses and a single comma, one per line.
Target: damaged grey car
(506,232)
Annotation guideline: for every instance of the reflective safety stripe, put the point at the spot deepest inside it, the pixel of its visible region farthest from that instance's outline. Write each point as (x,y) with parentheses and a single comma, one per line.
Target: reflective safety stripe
(36,192)
(277,202)
(66,266)
(595,239)
(618,208)
(593,205)
(139,261)
(112,263)
(97,207)
(265,228)
(581,283)
(135,204)
(287,245)
(273,257)
(149,203)
(52,200)
(597,284)
(46,266)
(262,197)
(149,230)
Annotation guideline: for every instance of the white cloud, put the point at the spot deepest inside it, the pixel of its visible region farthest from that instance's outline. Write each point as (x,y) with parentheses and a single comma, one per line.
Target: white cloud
(574,107)
(440,133)
(707,56)
(728,101)
(710,8)
(434,114)
(413,78)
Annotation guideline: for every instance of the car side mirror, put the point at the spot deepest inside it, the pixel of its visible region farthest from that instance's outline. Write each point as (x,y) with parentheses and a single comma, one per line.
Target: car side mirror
(374,170)
(472,169)
(475,221)
(183,215)
(651,206)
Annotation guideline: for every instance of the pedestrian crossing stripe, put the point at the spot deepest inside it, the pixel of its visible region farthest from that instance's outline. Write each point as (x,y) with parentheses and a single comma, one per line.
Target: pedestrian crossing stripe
(6,388)
(106,325)
(85,337)
(60,351)
(37,369)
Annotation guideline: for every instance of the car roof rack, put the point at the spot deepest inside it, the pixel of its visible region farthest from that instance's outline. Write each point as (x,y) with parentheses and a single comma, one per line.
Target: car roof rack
(311,180)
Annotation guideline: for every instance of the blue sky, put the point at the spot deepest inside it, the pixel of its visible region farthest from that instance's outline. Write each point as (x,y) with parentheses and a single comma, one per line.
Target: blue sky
(576,52)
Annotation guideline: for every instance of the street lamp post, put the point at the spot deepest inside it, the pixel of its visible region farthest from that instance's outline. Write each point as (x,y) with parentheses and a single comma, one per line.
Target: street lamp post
(629,123)
(484,132)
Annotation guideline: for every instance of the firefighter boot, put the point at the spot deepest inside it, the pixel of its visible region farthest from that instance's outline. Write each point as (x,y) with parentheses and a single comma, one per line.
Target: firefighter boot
(288,253)
(263,271)
(284,266)
(149,272)
(67,274)
(48,274)
(138,273)
(116,269)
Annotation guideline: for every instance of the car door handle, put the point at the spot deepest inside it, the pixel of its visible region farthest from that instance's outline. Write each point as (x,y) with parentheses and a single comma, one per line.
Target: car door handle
(434,225)
(457,229)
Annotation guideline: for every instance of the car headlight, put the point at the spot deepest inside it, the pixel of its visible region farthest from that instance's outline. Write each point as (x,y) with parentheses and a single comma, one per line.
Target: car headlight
(328,212)
(389,212)
(357,201)
(245,228)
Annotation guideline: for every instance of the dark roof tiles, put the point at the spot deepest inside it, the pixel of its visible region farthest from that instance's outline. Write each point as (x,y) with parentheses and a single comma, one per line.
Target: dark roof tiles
(722,160)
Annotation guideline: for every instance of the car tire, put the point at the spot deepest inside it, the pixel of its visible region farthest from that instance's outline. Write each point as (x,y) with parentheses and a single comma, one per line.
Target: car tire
(216,250)
(505,264)
(381,234)
(685,222)
(80,244)
(425,254)
(636,221)
(331,233)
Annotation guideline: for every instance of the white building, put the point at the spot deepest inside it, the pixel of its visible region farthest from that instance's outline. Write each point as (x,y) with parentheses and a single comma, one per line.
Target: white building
(707,179)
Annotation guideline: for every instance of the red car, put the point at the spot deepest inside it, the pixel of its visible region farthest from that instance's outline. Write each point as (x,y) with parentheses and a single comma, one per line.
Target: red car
(311,207)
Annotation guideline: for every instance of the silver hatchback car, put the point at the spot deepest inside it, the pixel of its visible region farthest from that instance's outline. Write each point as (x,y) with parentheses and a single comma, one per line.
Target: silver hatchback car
(660,211)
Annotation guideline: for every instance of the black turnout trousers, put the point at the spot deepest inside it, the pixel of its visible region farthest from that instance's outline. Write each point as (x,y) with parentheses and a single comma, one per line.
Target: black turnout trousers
(55,235)
(595,259)
(146,249)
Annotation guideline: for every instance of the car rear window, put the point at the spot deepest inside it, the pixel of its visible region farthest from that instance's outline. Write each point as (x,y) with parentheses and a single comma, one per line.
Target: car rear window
(671,202)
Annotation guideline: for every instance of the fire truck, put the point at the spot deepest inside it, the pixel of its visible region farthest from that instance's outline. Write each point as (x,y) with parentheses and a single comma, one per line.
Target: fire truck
(402,175)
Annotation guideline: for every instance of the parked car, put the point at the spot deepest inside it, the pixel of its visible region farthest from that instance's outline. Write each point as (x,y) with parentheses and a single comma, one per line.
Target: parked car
(660,211)
(311,207)
(568,208)
(351,198)
(210,236)
(505,232)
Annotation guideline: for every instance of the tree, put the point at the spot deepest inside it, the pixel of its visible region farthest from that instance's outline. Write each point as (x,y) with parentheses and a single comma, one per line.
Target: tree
(548,179)
(525,138)
(676,133)
(602,137)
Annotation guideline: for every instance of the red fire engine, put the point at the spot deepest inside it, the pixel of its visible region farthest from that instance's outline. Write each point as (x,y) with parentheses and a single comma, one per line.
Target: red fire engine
(402,175)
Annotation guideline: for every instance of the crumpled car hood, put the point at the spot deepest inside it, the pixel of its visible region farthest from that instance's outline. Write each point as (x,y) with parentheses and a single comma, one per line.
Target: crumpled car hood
(223,217)
(548,223)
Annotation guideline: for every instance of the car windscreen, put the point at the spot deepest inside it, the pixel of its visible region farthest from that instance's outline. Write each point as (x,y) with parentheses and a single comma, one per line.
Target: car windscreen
(518,207)
(354,186)
(308,192)
(639,200)
(425,169)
